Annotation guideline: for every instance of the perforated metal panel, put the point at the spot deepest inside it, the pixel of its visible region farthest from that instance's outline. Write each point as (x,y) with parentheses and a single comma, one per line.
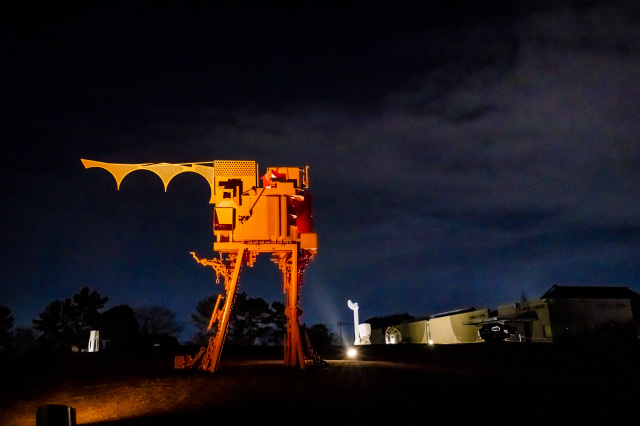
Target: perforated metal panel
(234,169)
(247,171)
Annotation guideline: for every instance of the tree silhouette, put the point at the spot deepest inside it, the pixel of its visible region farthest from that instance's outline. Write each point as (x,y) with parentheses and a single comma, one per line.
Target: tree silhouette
(24,340)
(278,320)
(56,324)
(319,335)
(6,324)
(249,320)
(201,319)
(157,321)
(68,322)
(253,322)
(204,309)
(88,304)
(119,327)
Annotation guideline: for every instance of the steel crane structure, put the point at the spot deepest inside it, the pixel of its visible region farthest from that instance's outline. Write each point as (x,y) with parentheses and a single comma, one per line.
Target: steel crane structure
(250,217)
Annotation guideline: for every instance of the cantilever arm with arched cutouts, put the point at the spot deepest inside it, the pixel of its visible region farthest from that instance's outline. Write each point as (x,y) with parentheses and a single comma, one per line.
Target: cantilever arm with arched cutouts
(165,171)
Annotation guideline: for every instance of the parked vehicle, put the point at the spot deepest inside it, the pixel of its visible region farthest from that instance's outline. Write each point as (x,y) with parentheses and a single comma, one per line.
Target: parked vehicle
(496,332)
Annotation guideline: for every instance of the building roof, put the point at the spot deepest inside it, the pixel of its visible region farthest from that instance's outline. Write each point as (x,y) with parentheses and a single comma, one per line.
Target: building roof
(586,292)
(454,312)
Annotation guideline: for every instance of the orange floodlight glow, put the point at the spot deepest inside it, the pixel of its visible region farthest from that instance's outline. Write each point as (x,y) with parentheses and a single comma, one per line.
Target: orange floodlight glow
(247,220)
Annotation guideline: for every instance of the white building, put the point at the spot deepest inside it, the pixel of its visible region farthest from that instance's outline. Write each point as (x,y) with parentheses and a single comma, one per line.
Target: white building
(563,313)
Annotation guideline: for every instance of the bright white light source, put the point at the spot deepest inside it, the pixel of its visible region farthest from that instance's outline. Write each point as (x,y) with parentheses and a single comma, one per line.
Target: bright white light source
(352,353)
(430,342)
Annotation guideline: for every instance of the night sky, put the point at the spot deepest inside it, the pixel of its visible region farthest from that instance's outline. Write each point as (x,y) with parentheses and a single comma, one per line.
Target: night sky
(459,155)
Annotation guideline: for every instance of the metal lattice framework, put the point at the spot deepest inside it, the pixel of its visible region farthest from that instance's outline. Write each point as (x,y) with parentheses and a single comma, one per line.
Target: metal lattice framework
(248,220)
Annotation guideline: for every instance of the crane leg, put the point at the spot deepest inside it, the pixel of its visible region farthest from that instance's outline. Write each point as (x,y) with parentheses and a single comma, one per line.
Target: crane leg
(211,359)
(293,355)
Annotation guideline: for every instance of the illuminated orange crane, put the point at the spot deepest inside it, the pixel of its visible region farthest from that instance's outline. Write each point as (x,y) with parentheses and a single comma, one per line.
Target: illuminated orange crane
(249,219)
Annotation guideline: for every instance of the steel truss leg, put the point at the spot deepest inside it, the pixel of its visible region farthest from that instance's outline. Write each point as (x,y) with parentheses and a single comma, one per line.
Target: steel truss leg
(287,256)
(211,359)
(293,355)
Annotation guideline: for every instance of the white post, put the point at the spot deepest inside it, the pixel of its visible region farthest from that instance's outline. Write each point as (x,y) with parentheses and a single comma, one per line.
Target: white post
(94,341)
(356,321)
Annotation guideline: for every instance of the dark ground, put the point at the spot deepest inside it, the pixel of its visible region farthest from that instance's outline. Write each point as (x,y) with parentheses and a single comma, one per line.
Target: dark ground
(394,385)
